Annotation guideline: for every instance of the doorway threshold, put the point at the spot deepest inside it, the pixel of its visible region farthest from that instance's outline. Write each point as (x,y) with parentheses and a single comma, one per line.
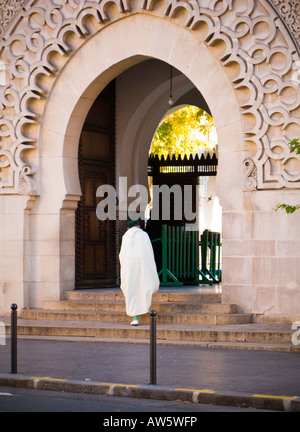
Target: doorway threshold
(203,289)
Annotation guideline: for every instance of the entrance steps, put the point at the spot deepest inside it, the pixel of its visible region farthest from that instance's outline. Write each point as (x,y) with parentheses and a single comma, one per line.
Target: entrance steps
(184,317)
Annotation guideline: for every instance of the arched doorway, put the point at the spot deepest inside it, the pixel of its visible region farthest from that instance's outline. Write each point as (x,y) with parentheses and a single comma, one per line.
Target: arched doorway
(184,151)
(97,241)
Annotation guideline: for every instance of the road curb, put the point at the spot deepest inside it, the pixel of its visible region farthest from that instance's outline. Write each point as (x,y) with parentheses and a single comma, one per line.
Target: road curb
(203,396)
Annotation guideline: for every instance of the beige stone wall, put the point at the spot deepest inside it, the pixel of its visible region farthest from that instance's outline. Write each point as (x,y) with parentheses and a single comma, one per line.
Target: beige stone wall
(14,250)
(261,256)
(241,61)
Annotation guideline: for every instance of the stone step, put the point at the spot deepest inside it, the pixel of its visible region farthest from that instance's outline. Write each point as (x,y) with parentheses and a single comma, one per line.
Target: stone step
(114,316)
(243,333)
(119,306)
(161,296)
(195,318)
(257,346)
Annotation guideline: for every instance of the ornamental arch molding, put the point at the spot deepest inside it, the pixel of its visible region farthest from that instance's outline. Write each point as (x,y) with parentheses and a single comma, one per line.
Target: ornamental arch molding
(256,43)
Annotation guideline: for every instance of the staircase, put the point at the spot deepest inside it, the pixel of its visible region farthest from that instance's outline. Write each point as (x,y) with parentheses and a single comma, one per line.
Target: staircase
(194,317)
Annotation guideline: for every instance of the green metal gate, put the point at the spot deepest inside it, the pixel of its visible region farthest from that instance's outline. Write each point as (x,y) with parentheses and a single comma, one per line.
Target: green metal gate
(181,260)
(210,244)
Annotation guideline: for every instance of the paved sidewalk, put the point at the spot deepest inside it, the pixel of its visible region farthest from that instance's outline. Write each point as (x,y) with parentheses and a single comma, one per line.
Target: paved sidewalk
(259,379)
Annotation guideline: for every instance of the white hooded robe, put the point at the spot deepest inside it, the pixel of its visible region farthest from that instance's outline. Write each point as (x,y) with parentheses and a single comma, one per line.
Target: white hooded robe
(139,278)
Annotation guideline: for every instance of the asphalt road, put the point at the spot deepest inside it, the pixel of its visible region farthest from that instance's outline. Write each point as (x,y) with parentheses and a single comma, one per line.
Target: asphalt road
(262,372)
(24,400)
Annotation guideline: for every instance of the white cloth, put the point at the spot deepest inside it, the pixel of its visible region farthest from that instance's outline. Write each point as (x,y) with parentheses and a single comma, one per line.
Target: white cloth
(139,278)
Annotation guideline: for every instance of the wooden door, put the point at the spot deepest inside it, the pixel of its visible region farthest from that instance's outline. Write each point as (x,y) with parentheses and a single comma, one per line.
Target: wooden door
(95,239)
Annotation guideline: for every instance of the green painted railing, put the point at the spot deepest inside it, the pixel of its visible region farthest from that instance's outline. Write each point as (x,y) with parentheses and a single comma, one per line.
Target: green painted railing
(180,257)
(211,245)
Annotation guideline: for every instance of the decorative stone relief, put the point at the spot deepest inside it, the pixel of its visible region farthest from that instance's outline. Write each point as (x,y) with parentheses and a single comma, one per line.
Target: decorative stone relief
(248,38)
(250,180)
(290,12)
(8,9)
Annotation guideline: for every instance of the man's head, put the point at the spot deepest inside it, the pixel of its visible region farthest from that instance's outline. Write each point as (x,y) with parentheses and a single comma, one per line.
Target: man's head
(132,223)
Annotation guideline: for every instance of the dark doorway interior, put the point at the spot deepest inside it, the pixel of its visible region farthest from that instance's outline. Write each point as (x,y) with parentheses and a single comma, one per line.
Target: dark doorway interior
(95,239)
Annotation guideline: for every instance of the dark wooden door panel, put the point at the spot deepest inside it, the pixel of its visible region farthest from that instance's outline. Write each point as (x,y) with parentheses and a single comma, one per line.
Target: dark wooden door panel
(95,239)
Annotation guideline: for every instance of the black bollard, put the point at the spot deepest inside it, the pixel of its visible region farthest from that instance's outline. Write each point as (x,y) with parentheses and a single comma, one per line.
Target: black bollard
(153,347)
(14,332)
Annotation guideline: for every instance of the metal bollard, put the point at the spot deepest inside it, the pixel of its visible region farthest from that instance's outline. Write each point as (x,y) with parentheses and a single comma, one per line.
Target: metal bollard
(153,347)
(14,332)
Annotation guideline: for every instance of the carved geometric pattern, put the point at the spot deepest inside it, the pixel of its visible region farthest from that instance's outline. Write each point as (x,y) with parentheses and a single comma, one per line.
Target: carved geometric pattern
(248,37)
(290,12)
(8,9)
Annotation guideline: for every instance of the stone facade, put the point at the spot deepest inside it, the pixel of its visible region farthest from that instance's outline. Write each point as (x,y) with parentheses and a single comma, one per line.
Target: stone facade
(243,57)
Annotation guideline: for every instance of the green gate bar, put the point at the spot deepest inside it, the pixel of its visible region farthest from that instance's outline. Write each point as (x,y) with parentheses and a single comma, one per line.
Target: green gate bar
(180,257)
(211,255)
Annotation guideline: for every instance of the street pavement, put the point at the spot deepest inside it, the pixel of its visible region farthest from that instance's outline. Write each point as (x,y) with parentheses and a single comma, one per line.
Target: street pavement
(259,379)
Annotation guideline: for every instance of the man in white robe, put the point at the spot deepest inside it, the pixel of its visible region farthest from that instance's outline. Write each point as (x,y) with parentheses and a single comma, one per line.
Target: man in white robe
(139,278)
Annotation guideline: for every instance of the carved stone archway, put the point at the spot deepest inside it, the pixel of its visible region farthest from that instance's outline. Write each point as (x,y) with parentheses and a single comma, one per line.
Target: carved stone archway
(252,61)
(247,37)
